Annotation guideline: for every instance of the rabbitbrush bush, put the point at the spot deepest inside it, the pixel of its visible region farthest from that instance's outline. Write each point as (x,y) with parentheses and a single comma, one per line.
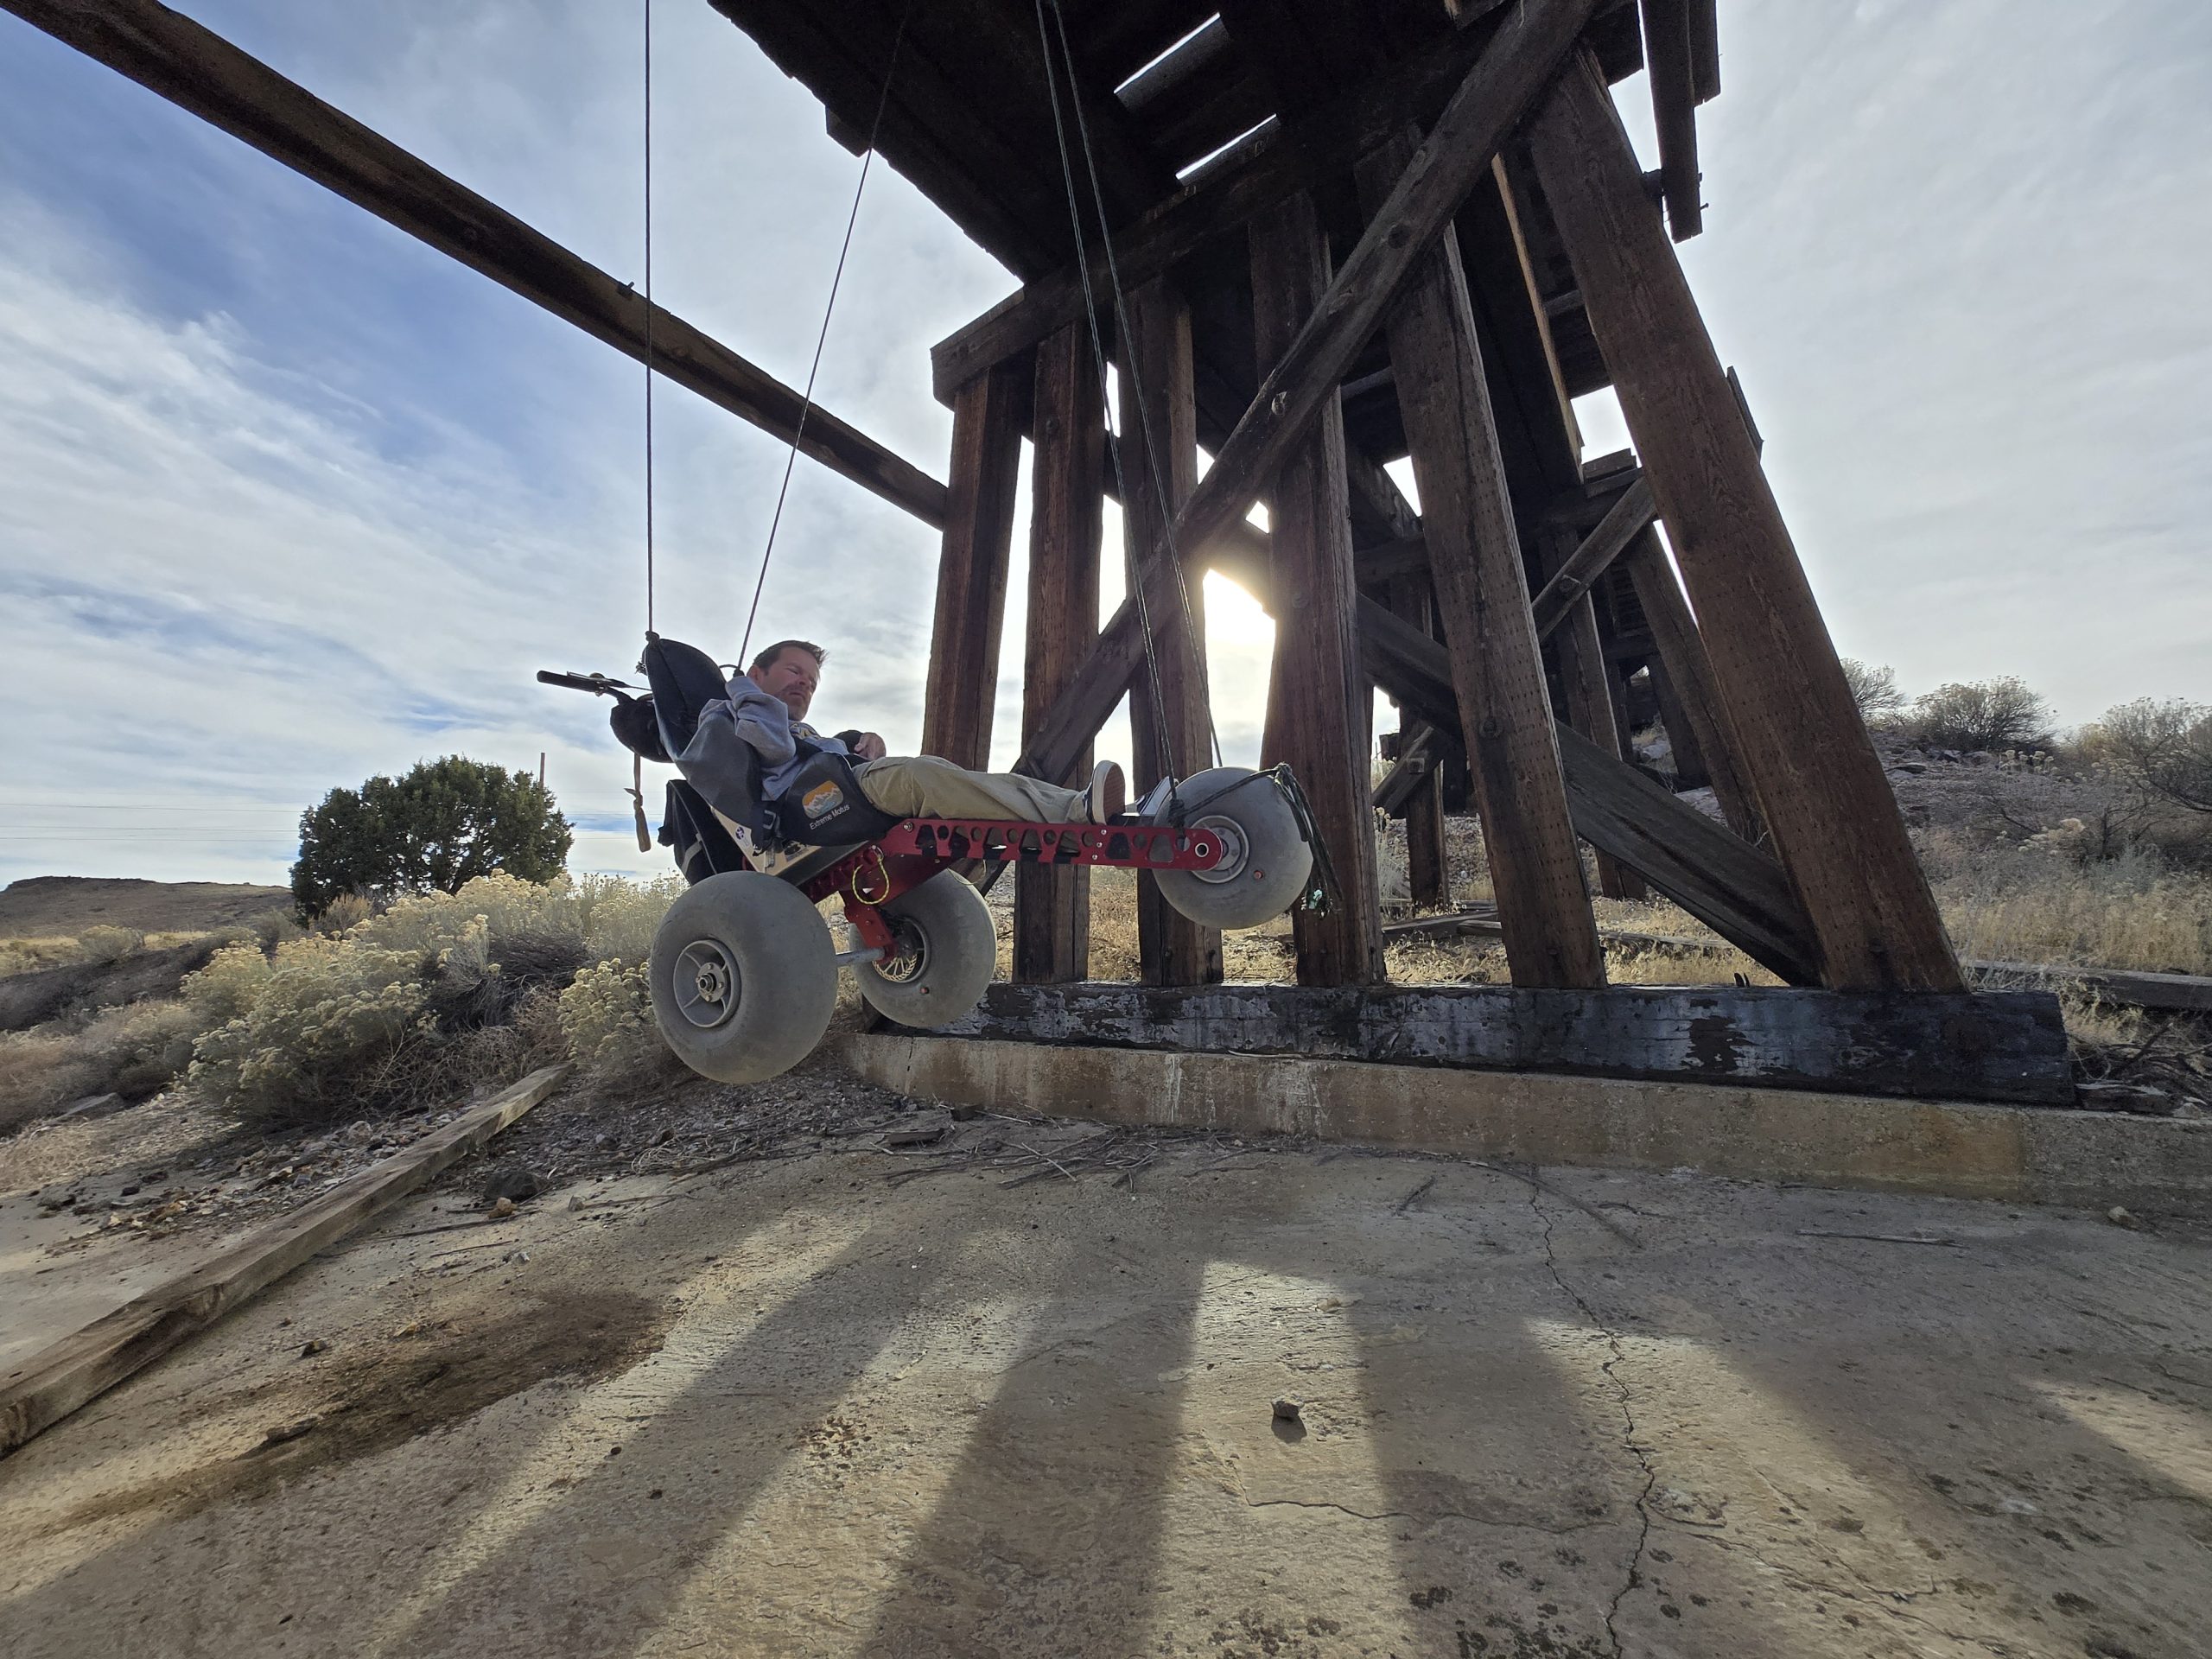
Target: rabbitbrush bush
(431,997)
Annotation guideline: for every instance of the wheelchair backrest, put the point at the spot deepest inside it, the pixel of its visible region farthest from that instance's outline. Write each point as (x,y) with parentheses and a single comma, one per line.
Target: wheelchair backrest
(684,680)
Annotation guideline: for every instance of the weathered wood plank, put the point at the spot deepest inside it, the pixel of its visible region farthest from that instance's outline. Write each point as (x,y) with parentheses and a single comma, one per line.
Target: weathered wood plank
(1577,573)
(1482,599)
(1668,56)
(1052,902)
(57,1380)
(1800,740)
(2001,1045)
(961,690)
(1169,725)
(1690,681)
(1318,701)
(1420,798)
(199,70)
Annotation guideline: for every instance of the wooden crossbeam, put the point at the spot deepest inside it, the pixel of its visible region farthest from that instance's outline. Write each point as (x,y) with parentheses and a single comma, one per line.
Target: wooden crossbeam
(1729,885)
(1520,60)
(1217,201)
(1622,524)
(200,72)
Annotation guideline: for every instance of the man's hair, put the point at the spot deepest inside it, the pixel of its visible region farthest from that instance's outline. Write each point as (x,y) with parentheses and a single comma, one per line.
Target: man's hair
(767,657)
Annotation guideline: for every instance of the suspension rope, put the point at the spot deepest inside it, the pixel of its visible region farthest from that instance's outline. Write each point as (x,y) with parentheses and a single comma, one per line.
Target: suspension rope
(1166,757)
(648,9)
(807,400)
(1155,472)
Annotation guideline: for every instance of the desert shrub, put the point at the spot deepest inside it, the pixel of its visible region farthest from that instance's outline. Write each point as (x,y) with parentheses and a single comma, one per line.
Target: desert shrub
(606,1016)
(620,917)
(2163,747)
(1992,715)
(334,1016)
(109,944)
(440,826)
(1874,689)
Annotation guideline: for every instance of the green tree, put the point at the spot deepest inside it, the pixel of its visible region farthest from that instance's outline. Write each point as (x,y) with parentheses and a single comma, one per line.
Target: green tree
(447,822)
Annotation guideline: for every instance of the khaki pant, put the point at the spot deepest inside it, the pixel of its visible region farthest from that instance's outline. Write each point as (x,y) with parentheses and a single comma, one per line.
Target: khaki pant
(923,786)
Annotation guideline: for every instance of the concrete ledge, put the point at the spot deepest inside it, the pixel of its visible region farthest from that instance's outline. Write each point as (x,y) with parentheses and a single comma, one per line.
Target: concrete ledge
(1958,1149)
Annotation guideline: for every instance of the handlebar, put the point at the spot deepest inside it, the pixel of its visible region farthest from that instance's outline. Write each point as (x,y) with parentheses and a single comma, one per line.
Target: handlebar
(598,684)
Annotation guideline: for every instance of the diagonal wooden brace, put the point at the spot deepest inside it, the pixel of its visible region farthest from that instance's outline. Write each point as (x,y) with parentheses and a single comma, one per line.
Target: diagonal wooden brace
(1520,63)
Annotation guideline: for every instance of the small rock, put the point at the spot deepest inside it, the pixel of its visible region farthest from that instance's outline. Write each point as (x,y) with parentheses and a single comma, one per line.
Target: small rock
(1288,1411)
(502,1209)
(512,1181)
(2120,1216)
(575,1201)
(313,1346)
(412,1328)
(292,1431)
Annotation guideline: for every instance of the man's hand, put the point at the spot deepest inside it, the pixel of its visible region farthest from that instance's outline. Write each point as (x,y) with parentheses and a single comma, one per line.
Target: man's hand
(870,747)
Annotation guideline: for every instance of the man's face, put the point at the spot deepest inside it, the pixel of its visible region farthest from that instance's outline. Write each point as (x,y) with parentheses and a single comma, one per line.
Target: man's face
(789,679)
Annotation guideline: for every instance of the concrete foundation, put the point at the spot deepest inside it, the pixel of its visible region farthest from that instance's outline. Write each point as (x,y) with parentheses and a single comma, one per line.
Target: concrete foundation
(1957,1149)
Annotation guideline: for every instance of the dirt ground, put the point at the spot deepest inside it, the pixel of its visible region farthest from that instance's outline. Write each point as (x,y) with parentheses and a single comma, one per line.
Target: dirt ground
(858,1398)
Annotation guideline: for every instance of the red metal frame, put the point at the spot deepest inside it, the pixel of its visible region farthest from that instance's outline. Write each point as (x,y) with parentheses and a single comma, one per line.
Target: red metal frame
(914,849)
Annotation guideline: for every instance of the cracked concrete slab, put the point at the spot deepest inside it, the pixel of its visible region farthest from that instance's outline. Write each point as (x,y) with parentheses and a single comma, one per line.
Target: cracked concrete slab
(1543,1412)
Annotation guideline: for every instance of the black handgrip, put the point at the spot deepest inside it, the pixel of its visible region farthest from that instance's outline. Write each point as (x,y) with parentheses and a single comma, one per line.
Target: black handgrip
(592,682)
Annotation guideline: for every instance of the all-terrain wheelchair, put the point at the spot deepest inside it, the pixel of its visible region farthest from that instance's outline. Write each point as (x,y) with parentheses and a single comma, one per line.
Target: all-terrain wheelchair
(744,969)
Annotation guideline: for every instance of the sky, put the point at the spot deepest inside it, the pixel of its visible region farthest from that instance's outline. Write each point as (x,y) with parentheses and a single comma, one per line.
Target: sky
(286,499)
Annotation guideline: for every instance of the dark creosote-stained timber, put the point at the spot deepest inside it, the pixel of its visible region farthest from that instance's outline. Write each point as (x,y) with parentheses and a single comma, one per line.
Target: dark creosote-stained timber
(2002,1045)
(1521,59)
(1828,805)
(200,72)
(1729,885)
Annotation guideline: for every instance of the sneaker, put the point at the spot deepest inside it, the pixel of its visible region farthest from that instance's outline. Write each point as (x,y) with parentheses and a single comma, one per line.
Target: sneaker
(1109,794)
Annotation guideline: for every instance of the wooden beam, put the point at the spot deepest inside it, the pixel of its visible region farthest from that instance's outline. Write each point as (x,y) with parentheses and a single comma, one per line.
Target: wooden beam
(1827,802)
(2002,1047)
(1577,573)
(1669,55)
(1170,721)
(1482,599)
(961,690)
(1428,870)
(1318,698)
(1689,673)
(1221,197)
(1705,49)
(42,1390)
(1521,58)
(1738,892)
(1052,902)
(1586,678)
(200,72)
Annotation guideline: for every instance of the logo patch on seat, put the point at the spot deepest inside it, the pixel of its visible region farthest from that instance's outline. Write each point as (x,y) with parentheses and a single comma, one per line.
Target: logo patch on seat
(822,800)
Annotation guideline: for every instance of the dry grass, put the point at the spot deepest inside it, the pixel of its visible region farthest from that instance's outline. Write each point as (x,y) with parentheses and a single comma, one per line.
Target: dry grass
(2038,904)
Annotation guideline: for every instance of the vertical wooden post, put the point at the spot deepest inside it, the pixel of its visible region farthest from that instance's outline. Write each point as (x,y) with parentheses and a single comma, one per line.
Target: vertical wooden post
(1051,903)
(1172,950)
(1428,876)
(1689,675)
(1835,822)
(988,415)
(1316,689)
(1686,753)
(1550,937)
(1586,676)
